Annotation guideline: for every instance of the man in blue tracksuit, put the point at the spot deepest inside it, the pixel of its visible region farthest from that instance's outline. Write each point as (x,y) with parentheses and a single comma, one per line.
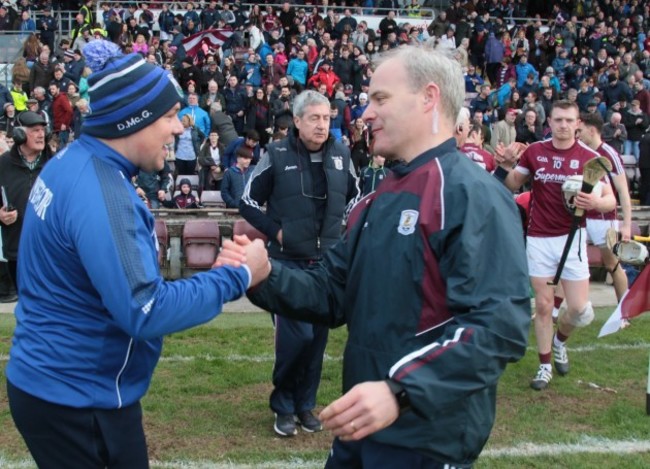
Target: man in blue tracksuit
(93,305)
(306,180)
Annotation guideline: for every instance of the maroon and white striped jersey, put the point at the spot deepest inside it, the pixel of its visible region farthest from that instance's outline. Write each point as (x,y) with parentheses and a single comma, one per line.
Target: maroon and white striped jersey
(548,168)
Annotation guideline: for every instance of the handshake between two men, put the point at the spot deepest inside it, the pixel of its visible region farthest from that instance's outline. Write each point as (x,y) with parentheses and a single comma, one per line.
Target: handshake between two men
(242,251)
(366,408)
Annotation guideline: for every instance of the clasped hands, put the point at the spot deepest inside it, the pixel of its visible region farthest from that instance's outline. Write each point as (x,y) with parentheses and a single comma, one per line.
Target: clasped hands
(241,250)
(509,155)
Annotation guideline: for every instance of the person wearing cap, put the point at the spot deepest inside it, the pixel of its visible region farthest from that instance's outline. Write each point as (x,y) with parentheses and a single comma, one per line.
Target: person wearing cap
(189,72)
(73,65)
(33,105)
(19,168)
(93,304)
(6,21)
(357,110)
(616,90)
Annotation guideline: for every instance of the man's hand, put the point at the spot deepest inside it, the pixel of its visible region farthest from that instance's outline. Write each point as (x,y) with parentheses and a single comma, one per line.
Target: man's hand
(244,251)
(509,155)
(8,218)
(626,231)
(363,410)
(587,201)
(231,254)
(161,195)
(279,237)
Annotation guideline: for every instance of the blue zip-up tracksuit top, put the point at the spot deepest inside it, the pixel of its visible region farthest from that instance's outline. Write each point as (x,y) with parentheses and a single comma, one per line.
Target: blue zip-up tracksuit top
(93,306)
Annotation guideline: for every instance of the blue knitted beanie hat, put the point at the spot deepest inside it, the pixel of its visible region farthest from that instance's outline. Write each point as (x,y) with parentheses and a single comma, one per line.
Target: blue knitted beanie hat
(126,93)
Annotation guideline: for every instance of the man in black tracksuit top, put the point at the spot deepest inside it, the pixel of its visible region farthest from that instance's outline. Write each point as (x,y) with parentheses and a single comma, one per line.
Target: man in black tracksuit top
(306,180)
(434,320)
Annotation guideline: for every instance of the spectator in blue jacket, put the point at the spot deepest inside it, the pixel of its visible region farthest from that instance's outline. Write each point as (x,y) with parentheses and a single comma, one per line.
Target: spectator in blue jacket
(523,68)
(26,26)
(199,116)
(235,179)
(252,71)
(298,68)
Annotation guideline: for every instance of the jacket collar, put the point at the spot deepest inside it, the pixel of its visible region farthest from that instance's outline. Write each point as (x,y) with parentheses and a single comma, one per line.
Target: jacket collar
(404,169)
(107,154)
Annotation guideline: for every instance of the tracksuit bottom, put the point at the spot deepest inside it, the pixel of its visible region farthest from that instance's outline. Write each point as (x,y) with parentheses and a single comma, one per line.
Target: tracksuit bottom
(299,349)
(368,454)
(61,437)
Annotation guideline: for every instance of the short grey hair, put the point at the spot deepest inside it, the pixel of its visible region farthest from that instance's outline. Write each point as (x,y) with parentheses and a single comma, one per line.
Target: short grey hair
(308,98)
(424,65)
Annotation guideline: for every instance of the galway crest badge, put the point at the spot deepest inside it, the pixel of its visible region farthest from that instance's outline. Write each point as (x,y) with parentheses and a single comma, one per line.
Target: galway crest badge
(407,222)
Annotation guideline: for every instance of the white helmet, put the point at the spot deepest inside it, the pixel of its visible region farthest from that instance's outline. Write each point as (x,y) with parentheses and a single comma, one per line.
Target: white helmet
(631,252)
(570,188)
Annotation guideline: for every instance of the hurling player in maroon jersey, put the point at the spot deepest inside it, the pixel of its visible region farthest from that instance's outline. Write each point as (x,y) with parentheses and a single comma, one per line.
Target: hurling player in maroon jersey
(547,165)
(590,132)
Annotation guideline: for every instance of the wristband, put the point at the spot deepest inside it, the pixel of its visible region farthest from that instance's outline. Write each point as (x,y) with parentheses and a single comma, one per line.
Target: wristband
(500,173)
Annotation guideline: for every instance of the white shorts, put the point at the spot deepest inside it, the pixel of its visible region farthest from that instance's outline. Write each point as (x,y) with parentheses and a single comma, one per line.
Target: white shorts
(597,229)
(544,256)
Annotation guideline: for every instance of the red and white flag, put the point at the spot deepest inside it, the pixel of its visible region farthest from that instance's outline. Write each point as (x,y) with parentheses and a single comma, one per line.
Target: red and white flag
(214,38)
(635,301)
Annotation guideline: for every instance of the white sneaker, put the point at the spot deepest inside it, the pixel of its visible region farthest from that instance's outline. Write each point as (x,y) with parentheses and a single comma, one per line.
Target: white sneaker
(542,378)
(561,359)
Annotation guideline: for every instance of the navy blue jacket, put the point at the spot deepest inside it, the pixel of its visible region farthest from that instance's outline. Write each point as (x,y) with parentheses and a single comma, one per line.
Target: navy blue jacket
(433,311)
(233,183)
(283,180)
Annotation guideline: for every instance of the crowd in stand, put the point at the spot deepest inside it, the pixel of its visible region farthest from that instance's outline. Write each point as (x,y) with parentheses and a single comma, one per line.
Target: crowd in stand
(596,53)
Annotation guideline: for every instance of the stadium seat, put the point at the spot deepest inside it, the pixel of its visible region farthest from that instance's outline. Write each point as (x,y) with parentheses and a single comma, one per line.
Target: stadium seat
(201,241)
(632,173)
(241,226)
(163,241)
(194,180)
(635,229)
(212,199)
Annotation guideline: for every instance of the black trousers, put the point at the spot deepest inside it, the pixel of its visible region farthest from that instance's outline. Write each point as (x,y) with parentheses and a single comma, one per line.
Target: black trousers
(60,437)
(7,282)
(370,454)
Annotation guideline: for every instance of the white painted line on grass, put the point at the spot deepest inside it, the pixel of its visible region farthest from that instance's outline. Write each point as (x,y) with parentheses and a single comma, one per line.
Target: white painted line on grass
(585,444)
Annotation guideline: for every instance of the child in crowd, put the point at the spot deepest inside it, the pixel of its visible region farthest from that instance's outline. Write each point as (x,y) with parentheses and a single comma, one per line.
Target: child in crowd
(236,177)
(185,199)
